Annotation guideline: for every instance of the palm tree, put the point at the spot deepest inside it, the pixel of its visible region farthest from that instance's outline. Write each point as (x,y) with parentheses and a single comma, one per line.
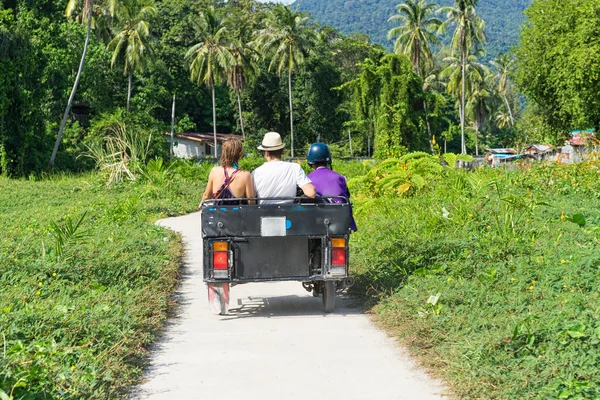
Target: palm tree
(244,57)
(288,40)
(211,57)
(503,65)
(480,99)
(130,46)
(468,37)
(459,77)
(415,35)
(83,12)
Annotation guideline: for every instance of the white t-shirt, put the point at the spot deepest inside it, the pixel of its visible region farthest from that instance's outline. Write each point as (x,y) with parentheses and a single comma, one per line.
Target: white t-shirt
(278,179)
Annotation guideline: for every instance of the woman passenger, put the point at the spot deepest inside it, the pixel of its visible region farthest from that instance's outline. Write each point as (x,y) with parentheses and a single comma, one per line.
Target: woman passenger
(228,182)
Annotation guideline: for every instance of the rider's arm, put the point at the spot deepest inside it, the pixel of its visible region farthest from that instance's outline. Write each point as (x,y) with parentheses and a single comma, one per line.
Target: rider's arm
(309,190)
(250,189)
(208,193)
(304,183)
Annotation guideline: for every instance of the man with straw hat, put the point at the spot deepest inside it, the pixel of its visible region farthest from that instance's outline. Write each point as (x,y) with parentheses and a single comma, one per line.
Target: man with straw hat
(276,178)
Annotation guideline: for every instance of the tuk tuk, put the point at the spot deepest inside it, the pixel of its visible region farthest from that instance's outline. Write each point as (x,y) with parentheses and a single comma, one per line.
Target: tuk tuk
(301,240)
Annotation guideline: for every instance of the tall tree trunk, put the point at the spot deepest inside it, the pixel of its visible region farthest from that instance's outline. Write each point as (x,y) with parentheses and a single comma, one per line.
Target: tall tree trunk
(214,118)
(428,126)
(476,141)
(240,111)
(129,89)
(72,96)
(291,109)
(512,122)
(462,109)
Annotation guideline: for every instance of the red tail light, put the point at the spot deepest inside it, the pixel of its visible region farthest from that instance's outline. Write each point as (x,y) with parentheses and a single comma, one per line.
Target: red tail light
(338,257)
(220,261)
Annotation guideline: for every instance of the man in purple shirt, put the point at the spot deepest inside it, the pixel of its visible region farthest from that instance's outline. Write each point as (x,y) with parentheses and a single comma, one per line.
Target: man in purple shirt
(327,182)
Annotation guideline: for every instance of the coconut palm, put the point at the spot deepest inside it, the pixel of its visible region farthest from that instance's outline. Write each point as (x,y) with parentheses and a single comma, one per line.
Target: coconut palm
(130,46)
(480,100)
(288,39)
(244,62)
(460,77)
(416,33)
(468,37)
(503,65)
(210,58)
(82,11)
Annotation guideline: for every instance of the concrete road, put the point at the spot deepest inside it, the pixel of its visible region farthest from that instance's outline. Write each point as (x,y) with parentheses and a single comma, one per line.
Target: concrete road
(275,344)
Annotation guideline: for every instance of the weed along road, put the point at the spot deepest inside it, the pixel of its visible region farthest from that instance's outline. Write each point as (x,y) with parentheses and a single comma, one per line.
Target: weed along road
(276,343)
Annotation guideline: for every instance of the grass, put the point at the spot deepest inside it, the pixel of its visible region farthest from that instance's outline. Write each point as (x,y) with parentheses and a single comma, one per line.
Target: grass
(492,279)
(86,279)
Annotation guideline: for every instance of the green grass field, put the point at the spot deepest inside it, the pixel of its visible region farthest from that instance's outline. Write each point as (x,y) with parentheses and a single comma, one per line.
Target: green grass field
(492,279)
(79,303)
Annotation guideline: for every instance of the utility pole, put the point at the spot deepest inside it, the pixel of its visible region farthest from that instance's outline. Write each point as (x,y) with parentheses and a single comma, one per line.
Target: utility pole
(350,139)
(172,130)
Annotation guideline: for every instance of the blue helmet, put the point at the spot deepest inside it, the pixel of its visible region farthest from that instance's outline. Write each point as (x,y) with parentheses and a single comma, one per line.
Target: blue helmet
(319,153)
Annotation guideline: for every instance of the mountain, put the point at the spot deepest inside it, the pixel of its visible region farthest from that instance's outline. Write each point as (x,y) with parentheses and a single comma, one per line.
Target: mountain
(503,19)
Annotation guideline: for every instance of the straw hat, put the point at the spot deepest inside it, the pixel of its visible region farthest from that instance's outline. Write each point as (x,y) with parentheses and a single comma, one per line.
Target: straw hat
(271,141)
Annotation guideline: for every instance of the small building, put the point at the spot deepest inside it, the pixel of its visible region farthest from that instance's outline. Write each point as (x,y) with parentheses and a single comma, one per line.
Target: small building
(192,145)
(583,138)
(539,151)
(495,157)
(579,145)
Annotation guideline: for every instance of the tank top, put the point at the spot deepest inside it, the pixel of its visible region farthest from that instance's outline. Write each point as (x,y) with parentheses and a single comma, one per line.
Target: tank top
(224,193)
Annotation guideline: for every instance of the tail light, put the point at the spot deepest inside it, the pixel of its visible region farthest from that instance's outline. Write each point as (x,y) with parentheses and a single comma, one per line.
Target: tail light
(338,256)
(220,260)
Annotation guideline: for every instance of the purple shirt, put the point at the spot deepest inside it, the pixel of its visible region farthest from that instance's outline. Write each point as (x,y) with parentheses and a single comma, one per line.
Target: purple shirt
(330,183)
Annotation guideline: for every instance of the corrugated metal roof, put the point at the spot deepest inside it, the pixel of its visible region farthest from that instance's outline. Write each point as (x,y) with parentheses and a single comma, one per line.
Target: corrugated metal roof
(542,148)
(205,137)
(501,151)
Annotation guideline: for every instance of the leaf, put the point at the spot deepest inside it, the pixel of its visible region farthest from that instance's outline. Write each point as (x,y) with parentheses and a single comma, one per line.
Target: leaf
(4,396)
(577,331)
(433,300)
(445,213)
(403,188)
(564,394)
(597,332)
(578,219)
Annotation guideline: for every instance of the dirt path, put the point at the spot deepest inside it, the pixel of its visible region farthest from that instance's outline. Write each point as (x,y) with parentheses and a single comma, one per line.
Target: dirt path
(275,344)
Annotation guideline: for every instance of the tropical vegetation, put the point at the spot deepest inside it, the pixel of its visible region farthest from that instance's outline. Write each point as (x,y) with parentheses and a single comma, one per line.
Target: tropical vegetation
(489,275)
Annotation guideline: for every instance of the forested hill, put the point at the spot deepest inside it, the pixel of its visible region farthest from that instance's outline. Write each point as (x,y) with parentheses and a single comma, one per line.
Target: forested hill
(503,18)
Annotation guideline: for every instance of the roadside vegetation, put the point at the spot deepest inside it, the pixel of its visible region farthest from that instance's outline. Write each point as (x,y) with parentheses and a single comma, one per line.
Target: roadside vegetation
(491,277)
(86,279)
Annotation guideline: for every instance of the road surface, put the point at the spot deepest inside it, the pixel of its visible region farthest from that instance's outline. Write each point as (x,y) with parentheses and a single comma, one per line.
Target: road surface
(275,344)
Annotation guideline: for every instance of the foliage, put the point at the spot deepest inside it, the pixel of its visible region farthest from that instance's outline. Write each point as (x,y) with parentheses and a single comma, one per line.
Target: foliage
(416,34)
(388,97)
(130,46)
(404,176)
(39,60)
(491,278)
(86,280)
(503,19)
(558,62)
